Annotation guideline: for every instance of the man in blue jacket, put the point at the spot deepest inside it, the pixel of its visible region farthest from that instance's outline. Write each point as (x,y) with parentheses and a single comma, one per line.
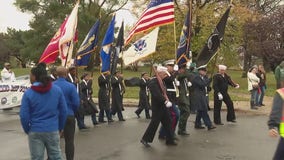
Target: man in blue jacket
(73,103)
(43,114)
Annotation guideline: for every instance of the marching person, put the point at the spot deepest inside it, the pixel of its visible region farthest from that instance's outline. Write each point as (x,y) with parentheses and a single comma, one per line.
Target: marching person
(72,77)
(160,113)
(117,93)
(104,97)
(73,103)
(199,99)
(7,74)
(172,93)
(87,101)
(275,117)
(221,80)
(53,74)
(183,100)
(143,96)
(43,114)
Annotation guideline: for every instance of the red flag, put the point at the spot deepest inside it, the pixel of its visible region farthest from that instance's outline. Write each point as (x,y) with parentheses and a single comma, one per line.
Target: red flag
(51,52)
(158,12)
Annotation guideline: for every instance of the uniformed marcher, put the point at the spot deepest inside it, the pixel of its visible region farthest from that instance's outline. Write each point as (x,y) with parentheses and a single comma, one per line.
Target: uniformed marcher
(199,84)
(117,92)
(221,80)
(183,100)
(104,97)
(53,73)
(160,112)
(172,93)
(143,96)
(86,99)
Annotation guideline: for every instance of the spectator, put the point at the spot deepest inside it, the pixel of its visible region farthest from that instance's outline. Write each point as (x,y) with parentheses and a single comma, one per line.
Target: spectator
(253,86)
(262,84)
(7,74)
(279,75)
(43,114)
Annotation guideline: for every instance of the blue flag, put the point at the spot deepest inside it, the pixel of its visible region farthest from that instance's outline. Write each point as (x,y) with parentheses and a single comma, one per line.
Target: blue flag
(183,51)
(88,45)
(106,47)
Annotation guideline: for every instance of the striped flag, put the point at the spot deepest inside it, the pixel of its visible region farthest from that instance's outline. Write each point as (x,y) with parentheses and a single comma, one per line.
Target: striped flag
(158,12)
(66,42)
(183,51)
(88,46)
(107,46)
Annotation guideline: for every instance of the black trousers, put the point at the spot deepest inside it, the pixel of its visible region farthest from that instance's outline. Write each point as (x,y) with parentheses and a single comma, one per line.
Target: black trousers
(69,131)
(159,115)
(140,109)
(217,108)
(279,153)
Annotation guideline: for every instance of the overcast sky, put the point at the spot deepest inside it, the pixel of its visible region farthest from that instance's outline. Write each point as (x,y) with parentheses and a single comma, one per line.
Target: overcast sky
(13,18)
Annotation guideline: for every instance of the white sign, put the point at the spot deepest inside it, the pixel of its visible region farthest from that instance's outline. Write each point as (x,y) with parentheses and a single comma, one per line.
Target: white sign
(11,93)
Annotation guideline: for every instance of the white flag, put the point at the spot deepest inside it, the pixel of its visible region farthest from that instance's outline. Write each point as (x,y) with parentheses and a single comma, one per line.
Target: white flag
(66,41)
(141,48)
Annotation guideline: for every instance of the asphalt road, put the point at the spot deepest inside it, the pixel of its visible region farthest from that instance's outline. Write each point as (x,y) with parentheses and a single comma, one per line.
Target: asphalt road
(246,140)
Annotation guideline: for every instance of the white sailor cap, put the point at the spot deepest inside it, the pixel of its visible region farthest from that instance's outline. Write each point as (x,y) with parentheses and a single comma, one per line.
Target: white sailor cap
(222,67)
(169,62)
(162,69)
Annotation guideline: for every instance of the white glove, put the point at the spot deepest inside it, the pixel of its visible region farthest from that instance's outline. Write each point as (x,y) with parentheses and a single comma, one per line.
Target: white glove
(237,86)
(168,104)
(188,65)
(220,96)
(177,83)
(175,67)
(189,84)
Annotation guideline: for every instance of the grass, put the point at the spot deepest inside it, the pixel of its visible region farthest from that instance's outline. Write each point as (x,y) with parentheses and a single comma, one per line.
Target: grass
(241,94)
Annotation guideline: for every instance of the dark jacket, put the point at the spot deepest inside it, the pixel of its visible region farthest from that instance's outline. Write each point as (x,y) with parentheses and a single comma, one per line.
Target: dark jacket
(199,99)
(183,98)
(157,98)
(116,95)
(276,111)
(143,94)
(169,83)
(220,83)
(103,96)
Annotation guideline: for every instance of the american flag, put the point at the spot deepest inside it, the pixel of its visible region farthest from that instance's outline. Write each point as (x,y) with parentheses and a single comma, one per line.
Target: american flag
(158,12)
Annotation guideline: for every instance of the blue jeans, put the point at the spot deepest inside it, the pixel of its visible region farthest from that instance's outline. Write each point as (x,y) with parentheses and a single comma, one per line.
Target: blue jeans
(254,98)
(261,95)
(204,115)
(39,141)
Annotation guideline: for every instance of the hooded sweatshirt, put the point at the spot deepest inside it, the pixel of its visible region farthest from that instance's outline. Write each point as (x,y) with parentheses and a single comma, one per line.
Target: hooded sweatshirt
(43,109)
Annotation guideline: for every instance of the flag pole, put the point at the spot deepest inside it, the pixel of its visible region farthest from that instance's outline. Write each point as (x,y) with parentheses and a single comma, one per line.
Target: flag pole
(175,41)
